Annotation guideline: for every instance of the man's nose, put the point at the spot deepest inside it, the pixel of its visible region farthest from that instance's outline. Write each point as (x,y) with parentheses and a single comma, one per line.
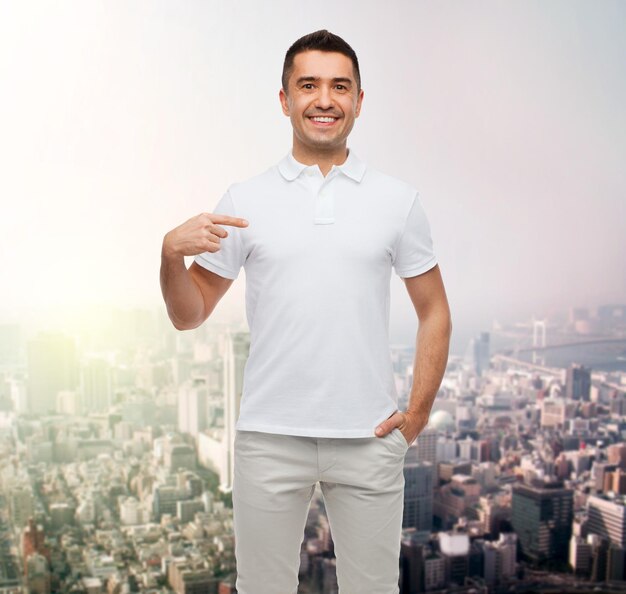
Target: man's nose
(324,99)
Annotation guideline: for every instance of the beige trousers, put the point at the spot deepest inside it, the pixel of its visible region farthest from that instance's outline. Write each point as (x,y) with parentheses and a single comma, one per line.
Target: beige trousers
(362,482)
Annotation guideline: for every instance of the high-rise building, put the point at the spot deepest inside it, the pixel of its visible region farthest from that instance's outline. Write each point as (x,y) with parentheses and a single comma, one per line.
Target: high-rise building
(607,518)
(483,352)
(599,557)
(446,448)
(34,540)
(578,383)
(615,482)
(455,549)
(235,348)
(21,505)
(542,518)
(507,547)
(616,453)
(540,339)
(418,496)
(493,513)
(413,549)
(580,555)
(616,566)
(499,559)
(465,448)
(479,354)
(96,385)
(193,399)
(434,571)
(425,450)
(52,367)
(600,473)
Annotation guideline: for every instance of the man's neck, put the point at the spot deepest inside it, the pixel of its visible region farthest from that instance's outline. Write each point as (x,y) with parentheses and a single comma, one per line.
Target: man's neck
(324,159)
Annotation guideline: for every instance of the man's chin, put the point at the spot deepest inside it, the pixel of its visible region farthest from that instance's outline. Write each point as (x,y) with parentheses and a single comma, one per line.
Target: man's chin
(325,143)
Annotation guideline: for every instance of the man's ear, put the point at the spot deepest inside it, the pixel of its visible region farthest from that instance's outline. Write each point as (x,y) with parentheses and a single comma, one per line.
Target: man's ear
(284,101)
(359,101)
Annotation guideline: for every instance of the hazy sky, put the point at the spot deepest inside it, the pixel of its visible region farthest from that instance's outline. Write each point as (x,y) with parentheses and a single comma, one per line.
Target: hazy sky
(120,120)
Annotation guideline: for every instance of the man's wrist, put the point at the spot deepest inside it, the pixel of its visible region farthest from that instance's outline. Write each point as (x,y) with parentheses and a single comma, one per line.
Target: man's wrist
(167,249)
(417,416)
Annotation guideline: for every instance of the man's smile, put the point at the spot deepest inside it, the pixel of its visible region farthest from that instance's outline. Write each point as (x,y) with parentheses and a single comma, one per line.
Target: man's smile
(323,121)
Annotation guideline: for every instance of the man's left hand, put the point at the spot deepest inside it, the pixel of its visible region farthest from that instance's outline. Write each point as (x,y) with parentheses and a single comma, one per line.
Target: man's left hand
(410,424)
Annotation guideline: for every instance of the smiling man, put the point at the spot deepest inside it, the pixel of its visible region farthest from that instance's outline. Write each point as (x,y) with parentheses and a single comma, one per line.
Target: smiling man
(322,95)
(318,235)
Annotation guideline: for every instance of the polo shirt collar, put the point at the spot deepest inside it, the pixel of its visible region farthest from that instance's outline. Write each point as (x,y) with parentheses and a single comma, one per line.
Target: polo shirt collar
(353,167)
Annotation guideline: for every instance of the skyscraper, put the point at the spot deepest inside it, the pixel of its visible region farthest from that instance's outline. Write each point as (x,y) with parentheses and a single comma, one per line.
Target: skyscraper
(51,360)
(607,518)
(578,383)
(542,518)
(499,559)
(479,354)
(21,505)
(455,548)
(96,385)
(193,400)
(425,450)
(235,348)
(418,496)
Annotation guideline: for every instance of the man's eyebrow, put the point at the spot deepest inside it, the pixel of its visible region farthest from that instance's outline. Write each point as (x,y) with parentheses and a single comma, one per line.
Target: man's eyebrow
(337,79)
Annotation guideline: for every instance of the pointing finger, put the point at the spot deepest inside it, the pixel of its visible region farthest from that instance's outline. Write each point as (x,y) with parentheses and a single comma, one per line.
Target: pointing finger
(228,220)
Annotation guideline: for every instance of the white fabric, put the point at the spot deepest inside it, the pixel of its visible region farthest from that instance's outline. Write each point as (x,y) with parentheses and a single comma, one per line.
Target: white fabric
(362,484)
(318,254)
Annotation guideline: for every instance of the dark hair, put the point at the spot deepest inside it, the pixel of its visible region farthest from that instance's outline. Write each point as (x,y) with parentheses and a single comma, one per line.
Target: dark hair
(323,41)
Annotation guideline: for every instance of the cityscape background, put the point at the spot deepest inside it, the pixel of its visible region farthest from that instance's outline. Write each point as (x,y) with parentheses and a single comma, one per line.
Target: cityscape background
(120,121)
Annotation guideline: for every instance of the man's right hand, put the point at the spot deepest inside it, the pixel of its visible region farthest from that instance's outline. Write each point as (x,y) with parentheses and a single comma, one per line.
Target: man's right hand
(191,295)
(199,234)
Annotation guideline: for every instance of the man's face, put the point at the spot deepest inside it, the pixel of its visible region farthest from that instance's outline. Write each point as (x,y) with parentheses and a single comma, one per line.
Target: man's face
(322,84)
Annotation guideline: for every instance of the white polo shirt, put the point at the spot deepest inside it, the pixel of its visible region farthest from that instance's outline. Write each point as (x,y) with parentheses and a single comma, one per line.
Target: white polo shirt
(318,253)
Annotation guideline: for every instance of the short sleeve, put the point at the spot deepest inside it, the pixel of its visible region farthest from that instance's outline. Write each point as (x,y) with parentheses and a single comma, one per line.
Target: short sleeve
(414,249)
(229,259)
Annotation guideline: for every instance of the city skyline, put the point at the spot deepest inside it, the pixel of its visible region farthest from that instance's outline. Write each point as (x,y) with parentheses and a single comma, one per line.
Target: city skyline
(122,120)
(117,462)
(102,320)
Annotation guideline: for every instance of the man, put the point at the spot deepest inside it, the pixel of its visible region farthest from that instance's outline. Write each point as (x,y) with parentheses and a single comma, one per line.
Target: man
(318,235)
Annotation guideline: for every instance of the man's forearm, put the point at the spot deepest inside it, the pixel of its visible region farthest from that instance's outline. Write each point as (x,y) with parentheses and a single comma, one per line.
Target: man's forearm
(431,357)
(183,298)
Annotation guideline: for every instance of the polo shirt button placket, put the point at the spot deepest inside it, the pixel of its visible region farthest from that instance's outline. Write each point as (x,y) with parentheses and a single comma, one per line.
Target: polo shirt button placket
(324,206)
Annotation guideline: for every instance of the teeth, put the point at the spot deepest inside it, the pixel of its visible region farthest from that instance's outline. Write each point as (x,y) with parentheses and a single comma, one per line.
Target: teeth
(323,119)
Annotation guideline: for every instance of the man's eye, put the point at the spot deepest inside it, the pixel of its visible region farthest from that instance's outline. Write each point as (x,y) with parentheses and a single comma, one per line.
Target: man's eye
(308,85)
(341,87)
